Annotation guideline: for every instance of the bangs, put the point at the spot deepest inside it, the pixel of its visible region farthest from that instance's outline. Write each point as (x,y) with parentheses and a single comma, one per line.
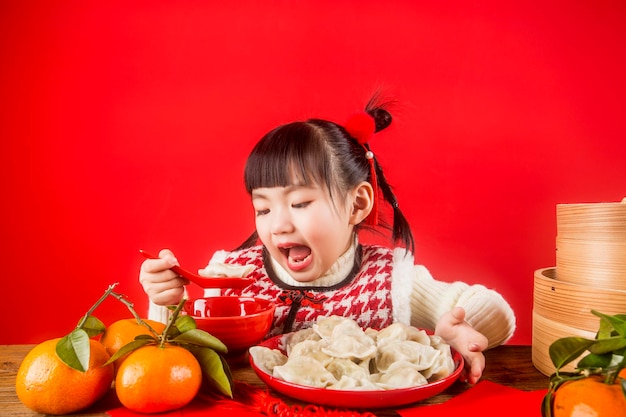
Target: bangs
(293,154)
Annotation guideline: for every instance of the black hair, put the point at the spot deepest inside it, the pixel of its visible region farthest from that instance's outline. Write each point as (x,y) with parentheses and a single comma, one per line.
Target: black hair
(322,152)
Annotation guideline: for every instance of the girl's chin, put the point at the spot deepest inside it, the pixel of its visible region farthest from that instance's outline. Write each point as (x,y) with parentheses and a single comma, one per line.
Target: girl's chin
(300,275)
(304,278)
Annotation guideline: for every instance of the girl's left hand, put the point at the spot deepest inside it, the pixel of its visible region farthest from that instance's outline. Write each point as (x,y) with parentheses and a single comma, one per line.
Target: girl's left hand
(455,331)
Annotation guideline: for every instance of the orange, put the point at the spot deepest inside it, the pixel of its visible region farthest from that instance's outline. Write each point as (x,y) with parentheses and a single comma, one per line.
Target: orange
(123,331)
(47,385)
(153,379)
(590,397)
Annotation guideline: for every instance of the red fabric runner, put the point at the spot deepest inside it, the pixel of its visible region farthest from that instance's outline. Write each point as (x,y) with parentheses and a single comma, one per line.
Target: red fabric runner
(249,401)
(486,399)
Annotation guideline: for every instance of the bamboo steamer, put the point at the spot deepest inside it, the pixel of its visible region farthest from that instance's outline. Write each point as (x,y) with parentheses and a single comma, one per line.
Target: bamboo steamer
(571,304)
(591,244)
(590,274)
(545,332)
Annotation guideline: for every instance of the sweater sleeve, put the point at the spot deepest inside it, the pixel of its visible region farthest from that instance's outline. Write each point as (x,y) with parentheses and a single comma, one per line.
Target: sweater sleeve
(157,312)
(485,309)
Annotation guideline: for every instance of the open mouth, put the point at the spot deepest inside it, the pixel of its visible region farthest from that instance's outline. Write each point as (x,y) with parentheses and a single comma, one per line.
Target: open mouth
(298,256)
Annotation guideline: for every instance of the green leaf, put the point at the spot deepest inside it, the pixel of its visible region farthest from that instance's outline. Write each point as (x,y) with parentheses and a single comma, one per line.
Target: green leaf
(564,350)
(607,345)
(607,323)
(185,323)
(595,361)
(130,347)
(74,350)
(546,405)
(215,369)
(202,338)
(145,336)
(172,332)
(93,326)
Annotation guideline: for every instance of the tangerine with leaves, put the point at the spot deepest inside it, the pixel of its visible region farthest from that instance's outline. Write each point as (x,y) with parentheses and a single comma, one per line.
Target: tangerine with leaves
(155,378)
(124,331)
(597,387)
(590,396)
(164,372)
(47,385)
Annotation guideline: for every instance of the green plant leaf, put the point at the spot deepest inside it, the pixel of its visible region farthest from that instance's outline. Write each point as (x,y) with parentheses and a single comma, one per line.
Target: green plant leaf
(214,368)
(595,361)
(564,350)
(185,323)
(608,345)
(131,346)
(546,405)
(93,326)
(74,350)
(202,338)
(608,323)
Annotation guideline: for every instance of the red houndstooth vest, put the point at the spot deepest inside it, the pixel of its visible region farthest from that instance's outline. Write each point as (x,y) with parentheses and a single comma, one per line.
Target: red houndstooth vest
(364,296)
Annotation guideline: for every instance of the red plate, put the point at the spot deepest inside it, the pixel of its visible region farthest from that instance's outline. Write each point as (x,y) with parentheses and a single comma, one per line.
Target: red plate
(355,399)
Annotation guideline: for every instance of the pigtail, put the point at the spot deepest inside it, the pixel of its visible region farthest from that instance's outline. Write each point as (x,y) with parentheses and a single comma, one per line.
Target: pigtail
(401,230)
(378,109)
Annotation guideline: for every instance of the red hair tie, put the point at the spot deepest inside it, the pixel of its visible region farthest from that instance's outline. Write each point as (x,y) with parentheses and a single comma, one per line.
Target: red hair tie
(361,126)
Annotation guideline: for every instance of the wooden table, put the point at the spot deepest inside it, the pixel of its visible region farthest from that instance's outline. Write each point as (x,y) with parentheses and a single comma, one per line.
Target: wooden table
(507,365)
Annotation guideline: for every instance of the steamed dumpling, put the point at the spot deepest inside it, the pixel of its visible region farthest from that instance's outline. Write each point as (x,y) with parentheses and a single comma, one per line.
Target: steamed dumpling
(304,370)
(421,356)
(292,339)
(399,332)
(312,349)
(358,347)
(266,359)
(401,375)
(441,368)
(329,327)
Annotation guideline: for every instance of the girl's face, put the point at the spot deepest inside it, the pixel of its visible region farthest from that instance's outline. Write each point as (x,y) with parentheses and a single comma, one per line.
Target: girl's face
(302,228)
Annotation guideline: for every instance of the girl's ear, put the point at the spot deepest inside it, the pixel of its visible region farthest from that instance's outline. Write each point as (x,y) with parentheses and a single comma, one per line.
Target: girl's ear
(362,202)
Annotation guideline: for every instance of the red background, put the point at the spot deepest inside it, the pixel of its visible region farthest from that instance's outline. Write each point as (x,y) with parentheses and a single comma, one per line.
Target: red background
(126,125)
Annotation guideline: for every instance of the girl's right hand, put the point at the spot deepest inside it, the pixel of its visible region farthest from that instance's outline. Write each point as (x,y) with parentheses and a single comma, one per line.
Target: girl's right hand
(163,286)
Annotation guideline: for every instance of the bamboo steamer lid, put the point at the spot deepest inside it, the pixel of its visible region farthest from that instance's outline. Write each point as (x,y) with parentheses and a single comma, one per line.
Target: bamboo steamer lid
(591,244)
(571,304)
(545,332)
(594,221)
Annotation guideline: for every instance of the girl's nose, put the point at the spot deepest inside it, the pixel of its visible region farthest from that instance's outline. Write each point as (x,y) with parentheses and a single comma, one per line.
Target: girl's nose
(281,223)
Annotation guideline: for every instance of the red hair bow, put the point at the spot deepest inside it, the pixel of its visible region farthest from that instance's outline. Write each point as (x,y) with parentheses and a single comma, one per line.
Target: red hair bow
(361,126)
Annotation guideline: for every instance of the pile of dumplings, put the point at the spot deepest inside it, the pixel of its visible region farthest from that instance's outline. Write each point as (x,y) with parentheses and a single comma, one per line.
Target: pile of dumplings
(336,353)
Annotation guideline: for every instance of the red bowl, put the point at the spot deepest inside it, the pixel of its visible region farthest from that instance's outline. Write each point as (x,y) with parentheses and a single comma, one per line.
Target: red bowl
(239,322)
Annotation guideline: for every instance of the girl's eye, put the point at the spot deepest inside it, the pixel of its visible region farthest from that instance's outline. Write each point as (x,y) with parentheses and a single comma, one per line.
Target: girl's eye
(262,212)
(301,205)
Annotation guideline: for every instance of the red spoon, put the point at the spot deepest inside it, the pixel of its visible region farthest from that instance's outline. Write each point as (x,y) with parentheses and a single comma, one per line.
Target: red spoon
(205,282)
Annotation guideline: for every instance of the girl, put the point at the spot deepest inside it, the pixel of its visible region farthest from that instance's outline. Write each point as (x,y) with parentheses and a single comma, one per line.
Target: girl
(314,185)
